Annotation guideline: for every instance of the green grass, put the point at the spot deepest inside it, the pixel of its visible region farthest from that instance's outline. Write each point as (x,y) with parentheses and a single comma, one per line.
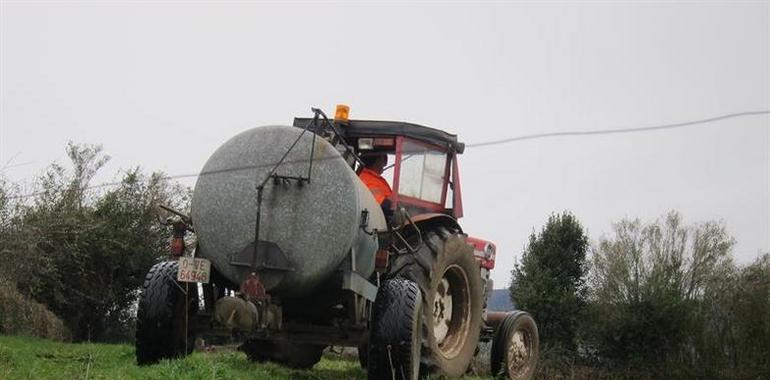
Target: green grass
(33,358)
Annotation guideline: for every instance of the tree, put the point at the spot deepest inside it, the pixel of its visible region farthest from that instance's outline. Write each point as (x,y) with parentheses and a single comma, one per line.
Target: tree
(739,328)
(549,280)
(84,252)
(648,285)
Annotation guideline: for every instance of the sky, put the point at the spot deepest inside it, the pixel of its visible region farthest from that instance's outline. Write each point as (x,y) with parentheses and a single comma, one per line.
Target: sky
(162,84)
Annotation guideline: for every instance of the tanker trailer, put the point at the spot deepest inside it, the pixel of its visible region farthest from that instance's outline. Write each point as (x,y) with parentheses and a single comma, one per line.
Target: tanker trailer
(293,254)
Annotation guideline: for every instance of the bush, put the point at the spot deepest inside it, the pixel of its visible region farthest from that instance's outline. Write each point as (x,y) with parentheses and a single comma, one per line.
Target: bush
(549,281)
(21,316)
(650,288)
(84,252)
(735,323)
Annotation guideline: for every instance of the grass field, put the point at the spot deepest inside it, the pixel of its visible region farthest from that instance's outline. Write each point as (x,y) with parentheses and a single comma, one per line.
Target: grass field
(32,358)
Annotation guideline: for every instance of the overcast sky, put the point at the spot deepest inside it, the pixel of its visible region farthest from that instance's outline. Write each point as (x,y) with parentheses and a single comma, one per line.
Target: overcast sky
(162,86)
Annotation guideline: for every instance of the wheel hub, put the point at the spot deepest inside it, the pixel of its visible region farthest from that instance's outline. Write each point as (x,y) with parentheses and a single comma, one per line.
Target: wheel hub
(519,352)
(442,311)
(451,312)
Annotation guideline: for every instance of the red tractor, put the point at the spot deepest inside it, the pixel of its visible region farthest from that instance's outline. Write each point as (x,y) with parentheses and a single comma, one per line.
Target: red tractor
(295,254)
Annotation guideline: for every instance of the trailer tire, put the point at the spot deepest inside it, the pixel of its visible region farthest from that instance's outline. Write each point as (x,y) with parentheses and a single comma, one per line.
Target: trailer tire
(394,341)
(515,347)
(448,275)
(164,315)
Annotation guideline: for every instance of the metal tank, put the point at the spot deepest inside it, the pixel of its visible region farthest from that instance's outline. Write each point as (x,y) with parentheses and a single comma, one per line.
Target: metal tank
(307,228)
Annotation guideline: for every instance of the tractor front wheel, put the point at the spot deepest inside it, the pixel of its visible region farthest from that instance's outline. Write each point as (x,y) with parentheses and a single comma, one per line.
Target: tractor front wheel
(515,347)
(166,311)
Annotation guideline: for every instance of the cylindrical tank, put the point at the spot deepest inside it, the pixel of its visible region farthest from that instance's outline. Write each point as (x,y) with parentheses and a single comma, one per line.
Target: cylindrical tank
(315,225)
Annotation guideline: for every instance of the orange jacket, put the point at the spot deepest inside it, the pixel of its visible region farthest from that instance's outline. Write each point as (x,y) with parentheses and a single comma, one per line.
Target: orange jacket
(376,184)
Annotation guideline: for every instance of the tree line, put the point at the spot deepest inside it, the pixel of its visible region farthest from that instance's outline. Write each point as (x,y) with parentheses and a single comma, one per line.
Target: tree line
(83,253)
(659,299)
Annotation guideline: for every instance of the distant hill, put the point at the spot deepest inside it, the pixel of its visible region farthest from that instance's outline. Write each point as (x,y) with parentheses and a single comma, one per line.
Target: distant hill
(500,300)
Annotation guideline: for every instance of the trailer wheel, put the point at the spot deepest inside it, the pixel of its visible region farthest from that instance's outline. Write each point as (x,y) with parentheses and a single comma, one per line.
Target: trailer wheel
(515,347)
(448,276)
(166,311)
(394,340)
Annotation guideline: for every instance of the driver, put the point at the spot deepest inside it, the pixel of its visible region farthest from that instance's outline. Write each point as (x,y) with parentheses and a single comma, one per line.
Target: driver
(371,175)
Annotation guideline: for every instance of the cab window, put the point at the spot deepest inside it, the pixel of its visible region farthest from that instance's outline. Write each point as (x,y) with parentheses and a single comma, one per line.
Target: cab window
(422,172)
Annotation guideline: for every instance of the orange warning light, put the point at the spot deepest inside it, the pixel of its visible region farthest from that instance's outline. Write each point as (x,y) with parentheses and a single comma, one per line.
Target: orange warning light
(342,113)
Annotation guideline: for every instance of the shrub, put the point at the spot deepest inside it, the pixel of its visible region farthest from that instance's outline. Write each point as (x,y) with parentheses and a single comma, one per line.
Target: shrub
(648,287)
(21,316)
(549,281)
(84,252)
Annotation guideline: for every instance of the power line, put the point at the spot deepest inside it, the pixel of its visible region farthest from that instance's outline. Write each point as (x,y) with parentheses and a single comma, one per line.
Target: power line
(473,145)
(616,131)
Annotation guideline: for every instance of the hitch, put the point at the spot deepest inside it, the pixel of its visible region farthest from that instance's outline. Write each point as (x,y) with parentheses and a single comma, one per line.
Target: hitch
(179,227)
(184,218)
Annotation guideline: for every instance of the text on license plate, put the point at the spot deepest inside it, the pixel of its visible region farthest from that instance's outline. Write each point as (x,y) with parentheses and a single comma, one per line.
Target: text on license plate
(193,270)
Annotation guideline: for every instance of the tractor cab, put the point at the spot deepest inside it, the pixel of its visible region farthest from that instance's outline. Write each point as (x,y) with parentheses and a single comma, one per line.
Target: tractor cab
(422,167)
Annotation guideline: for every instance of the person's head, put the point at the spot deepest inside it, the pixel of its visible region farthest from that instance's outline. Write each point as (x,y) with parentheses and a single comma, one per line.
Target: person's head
(375,162)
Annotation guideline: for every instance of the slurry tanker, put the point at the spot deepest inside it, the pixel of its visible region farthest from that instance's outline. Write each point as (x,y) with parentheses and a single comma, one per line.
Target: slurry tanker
(292,254)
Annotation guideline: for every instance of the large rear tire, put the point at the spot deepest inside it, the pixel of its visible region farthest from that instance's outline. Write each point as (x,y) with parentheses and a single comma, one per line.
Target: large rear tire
(448,276)
(394,340)
(515,348)
(166,311)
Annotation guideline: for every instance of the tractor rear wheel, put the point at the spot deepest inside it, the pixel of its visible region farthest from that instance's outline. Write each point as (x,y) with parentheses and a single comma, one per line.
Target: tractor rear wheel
(166,310)
(394,340)
(515,347)
(448,275)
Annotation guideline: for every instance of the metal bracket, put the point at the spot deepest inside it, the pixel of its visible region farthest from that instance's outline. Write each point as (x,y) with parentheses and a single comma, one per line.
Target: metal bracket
(355,283)
(268,257)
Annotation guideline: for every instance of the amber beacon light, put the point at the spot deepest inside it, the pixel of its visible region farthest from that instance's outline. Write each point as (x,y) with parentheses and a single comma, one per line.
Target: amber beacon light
(342,113)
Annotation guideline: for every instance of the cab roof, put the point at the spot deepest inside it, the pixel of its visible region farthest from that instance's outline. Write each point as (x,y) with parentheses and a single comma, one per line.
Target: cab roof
(370,128)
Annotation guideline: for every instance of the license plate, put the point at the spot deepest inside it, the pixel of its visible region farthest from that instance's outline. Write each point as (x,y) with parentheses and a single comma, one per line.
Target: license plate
(193,270)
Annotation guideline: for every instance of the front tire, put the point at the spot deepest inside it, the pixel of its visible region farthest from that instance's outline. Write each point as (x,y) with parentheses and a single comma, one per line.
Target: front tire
(166,310)
(515,348)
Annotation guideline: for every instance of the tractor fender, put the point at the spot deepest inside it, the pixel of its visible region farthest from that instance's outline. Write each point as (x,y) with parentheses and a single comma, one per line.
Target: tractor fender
(433,220)
(429,222)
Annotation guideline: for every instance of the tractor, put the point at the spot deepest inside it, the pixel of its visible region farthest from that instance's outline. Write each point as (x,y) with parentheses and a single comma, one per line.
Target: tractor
(287,252)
